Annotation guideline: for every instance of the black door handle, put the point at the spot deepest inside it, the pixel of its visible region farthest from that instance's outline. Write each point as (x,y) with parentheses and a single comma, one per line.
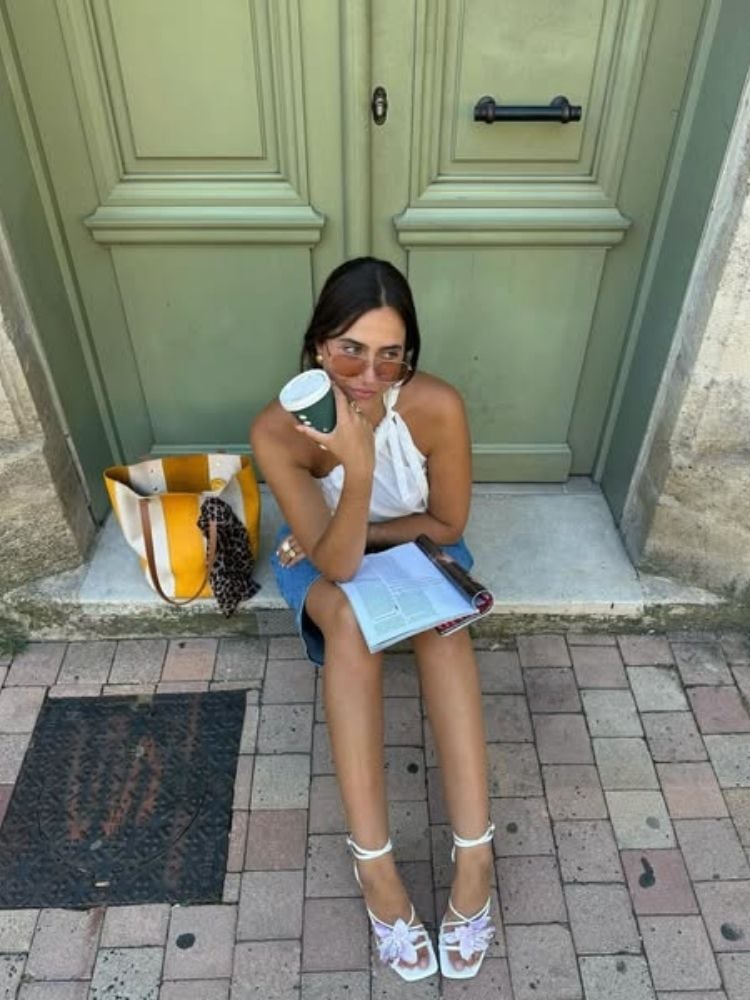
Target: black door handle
(559,109)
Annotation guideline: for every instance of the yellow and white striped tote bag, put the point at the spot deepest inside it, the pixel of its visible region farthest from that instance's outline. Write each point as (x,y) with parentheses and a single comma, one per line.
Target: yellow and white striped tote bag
(172,489)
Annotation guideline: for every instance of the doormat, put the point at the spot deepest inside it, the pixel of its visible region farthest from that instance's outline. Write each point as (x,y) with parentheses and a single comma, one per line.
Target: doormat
(123,800)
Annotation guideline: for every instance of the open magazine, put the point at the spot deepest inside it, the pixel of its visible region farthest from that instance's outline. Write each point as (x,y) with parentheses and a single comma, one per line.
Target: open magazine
(410,588)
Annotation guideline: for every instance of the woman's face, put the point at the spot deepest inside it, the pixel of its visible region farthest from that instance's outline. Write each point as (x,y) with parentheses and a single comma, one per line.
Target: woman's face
(378,335)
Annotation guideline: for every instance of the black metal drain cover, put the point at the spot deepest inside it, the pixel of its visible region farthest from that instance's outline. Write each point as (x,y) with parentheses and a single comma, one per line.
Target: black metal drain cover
(123,800)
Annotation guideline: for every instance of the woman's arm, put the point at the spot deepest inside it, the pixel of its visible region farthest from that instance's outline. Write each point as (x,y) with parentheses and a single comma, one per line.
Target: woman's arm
(443,418)
(334,543)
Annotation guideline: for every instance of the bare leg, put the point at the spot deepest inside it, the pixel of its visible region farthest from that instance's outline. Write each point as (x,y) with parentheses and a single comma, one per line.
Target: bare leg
(353,697)
(450,687)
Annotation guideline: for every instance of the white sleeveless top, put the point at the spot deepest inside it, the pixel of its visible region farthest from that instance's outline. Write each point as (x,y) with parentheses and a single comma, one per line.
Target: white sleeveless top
(399,485)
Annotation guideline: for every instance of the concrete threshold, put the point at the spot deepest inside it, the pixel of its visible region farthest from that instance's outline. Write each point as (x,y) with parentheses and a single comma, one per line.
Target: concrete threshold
(550,553)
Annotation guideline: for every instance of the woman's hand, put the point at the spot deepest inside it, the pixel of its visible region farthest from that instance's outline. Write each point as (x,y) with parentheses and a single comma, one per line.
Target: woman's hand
(352,441)
(290,552)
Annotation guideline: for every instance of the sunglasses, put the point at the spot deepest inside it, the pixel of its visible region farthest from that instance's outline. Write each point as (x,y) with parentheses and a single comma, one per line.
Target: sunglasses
(351,365)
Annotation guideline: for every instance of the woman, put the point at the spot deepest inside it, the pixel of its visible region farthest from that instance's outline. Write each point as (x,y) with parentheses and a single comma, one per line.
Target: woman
(396,465)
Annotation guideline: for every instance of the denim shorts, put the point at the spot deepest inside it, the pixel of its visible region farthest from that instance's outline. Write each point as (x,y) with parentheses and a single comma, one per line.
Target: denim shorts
(295,581)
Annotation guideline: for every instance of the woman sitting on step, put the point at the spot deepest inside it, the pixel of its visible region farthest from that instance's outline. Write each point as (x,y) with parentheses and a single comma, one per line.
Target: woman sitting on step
(396,465)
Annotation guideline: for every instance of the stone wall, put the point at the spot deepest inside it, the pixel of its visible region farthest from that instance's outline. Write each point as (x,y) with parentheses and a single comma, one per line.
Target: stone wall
(45,522)
(688,508)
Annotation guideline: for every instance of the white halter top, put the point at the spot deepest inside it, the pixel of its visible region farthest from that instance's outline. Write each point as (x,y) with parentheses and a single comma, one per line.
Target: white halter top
(399,485)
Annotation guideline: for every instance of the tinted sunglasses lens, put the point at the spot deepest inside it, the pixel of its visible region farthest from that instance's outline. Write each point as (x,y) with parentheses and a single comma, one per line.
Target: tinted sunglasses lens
(347,366)
(391,371)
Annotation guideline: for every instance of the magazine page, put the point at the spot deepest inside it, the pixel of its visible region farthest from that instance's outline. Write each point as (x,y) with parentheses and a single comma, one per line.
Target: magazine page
(398,592)
(481,598)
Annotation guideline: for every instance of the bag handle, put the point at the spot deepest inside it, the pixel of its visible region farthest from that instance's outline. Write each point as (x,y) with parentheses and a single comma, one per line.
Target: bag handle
(148,539)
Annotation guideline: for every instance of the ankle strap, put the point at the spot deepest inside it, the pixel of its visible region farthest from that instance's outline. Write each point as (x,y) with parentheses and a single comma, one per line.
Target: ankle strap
(362,854)
(486,837)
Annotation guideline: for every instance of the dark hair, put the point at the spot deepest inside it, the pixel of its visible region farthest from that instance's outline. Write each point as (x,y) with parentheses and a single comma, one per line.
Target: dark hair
(352,289)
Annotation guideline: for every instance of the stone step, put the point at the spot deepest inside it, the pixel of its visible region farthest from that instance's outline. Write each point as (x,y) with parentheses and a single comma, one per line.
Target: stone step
(550,553)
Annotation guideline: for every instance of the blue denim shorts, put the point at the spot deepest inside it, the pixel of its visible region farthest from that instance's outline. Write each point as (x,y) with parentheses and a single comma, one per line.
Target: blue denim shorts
(295,581)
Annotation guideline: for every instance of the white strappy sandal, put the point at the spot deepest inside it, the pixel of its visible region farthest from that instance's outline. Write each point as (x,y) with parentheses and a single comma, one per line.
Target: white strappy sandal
(401,941)
(466,935)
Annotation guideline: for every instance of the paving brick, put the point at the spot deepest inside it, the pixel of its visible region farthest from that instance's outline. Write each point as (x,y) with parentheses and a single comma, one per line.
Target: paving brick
(75,691)
(200,942)
(326,809)
(197,989)
(270,906)
(285,729)
(19,708)
(289,681)
(552,689)
(335,935)
(54,991)
(335,986)
(181,687)
(249,737)
(12,750)
(611,713)
(679,953)
(403,722)
(711,849)
(741,673)
(658,882)
(3,673)
(267,969)
(691,791)
(692,995)
(530,891)
(231,890)
(38,664)
(286,647)
(640,819)
(435,799)
(542,963)
(719,710)
(673,737)
(657,689)
(237,841)
(735,646)
(127,690)
(506,718)
(410,830)
(735,970)
(730,756)
(513,770)
(562,739)
(442,866)
(400,677)
(329,867)
(87,662)
(624,763)
(591,639)
(500,672)
(738,801)
(726,910)
(190,660)
(281,781)
(701,663)
(543,651)
(138,970)
(135,926)
(138,661)
(17,929)
(587,851)
(598,667)
(242,659)
(11,970)
(321,750)
(243,781)
(522,826)
(5,793)
(601,919)
(64,944)
(644,650)
(418,882)
(405,774)
(621,977)
(493,983)
(573,791)
(276,839)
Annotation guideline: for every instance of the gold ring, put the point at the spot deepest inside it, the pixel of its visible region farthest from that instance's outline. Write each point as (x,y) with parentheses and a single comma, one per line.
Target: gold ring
(286,545)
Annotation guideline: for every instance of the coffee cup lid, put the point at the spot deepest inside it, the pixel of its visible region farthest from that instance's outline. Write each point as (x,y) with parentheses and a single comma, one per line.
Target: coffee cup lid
(304,389)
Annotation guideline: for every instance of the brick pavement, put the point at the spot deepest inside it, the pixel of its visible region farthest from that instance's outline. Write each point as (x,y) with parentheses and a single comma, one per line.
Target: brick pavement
(620,783)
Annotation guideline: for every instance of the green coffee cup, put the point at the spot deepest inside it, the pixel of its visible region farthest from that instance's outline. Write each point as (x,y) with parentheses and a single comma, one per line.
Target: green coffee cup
(309,397)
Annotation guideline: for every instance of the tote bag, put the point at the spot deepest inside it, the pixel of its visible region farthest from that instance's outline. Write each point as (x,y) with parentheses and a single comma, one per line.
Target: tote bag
(157,504)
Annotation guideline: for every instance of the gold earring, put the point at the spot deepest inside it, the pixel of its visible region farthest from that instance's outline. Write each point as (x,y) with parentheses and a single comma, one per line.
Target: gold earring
(319,358)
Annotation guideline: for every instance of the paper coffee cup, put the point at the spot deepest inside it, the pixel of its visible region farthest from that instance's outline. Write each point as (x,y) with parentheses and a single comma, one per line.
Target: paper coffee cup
(309,397)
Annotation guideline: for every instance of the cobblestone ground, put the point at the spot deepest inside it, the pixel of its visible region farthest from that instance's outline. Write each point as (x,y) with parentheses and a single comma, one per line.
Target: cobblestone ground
(620,784)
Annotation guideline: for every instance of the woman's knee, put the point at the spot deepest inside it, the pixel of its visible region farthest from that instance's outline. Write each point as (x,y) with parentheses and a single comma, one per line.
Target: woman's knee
(331,611)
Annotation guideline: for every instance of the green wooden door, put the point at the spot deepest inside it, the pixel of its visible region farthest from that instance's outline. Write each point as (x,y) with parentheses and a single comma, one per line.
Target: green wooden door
(210,161)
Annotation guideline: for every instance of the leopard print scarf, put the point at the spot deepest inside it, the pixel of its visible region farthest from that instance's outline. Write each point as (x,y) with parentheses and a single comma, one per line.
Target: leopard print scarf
(232,574)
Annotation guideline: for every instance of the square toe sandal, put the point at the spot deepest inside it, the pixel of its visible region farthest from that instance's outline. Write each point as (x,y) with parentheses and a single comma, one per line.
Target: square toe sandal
(465,936)
(401,941)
